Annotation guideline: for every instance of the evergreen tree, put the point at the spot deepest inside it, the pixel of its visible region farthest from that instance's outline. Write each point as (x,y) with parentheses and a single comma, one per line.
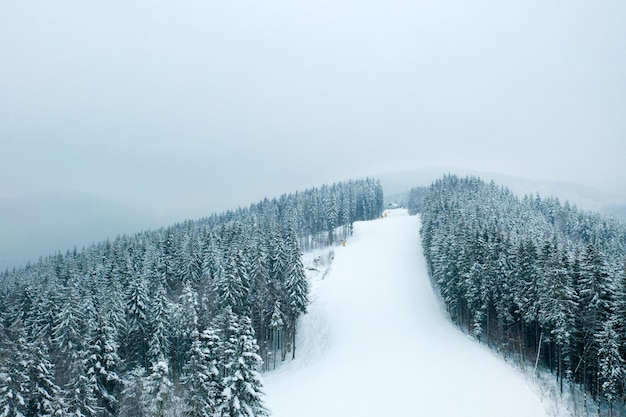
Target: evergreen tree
(230,288)
(185,323)
(557,308)
(80,396)
(242,386)
(67,332)
(158,393)
(159,345)
(612,369)
(80,391)
(276,325)
(44,398)
(296,287)
(201,378)
(137,330)
(103,364)
(131,403)
(15,384)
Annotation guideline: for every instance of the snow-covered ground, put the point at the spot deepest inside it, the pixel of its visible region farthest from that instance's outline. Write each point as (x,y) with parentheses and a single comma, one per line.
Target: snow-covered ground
(376,342)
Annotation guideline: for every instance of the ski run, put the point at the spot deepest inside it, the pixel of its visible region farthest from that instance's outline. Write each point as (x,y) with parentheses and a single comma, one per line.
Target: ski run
(376,342)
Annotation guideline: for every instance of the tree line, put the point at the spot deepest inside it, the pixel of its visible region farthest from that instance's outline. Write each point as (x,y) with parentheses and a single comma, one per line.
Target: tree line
(172,322)
(532,277)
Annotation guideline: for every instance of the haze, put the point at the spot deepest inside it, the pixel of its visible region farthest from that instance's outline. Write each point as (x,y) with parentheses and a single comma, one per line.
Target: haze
(175,110)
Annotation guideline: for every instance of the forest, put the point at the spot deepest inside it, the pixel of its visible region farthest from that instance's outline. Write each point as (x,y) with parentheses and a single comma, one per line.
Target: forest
(172,322)
(532,278)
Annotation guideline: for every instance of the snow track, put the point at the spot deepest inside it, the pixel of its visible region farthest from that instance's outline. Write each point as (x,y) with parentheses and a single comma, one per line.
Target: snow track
(376,342)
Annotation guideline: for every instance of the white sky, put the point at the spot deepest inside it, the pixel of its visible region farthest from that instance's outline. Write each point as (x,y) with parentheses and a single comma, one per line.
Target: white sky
(196,106)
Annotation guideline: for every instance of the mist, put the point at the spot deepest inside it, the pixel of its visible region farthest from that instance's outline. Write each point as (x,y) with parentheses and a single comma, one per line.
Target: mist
(173,111)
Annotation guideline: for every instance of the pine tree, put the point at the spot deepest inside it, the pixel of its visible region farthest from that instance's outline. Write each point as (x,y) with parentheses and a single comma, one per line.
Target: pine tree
(15,384)
(557,308)
(137,330)
(158,393)
(612,368)
(595,289)
(67,331)
(159,345)
(296,287)
(80,395)
(230,288)
(103,364)
(131,403)
(44,399)
(184,320)
(80,391)
(527,279)
(242,392)
(201,378)
(276,326)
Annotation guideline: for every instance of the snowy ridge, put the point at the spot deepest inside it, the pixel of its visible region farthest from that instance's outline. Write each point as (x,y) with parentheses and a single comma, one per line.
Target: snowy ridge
(376,342)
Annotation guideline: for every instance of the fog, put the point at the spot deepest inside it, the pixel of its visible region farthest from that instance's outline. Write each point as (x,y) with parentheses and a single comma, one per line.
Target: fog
(175,110)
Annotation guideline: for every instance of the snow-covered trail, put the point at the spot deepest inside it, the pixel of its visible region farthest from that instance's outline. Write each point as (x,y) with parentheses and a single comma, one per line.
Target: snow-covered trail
(388,349)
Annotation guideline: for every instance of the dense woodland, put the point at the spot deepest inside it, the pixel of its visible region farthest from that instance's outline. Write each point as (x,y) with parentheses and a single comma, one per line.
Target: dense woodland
(173,322)
(534,278)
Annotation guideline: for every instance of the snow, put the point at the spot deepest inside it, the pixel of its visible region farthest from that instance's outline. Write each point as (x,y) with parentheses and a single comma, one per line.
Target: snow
(376,342)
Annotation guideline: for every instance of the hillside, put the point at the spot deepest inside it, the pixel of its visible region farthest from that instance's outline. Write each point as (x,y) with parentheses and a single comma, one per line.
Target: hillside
(377,342)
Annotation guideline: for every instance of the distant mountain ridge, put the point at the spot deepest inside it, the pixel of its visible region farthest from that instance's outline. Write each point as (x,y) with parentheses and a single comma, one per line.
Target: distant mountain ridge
(42,224)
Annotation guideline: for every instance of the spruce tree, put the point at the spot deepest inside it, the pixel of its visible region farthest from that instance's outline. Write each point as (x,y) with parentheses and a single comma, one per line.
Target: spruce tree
(103,364)
(131,402)
(137,331)
(45,398)
(15,383)
(276,326)
(157,398)
(242,385)
(612,369)
(201,375)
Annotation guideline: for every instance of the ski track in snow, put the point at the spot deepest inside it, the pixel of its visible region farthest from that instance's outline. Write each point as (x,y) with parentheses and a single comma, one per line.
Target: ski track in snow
(376,342)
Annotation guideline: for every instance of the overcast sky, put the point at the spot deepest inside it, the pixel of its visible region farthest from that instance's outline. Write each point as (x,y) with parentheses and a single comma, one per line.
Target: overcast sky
(196,106)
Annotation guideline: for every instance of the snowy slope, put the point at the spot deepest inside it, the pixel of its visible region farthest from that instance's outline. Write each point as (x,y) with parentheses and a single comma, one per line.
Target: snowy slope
(377,343)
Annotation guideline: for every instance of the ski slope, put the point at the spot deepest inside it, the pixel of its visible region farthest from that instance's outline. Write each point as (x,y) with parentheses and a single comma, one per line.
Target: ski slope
(376,342)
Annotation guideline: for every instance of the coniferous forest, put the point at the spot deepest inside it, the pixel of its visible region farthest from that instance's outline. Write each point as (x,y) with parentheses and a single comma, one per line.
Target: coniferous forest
(532,277)
(180,321)
(172,322)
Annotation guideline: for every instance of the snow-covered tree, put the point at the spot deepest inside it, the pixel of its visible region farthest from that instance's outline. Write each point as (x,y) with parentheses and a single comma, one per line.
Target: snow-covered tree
(296,287)
(67,332)
(184,320)
(231,288)
(160,326)
(15,384)
(612,368)
(44,399)
(103,365)
(131,402)
(276,325)
(201,378)
(157,398)
(80,397)
(137,313)
(242,385)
